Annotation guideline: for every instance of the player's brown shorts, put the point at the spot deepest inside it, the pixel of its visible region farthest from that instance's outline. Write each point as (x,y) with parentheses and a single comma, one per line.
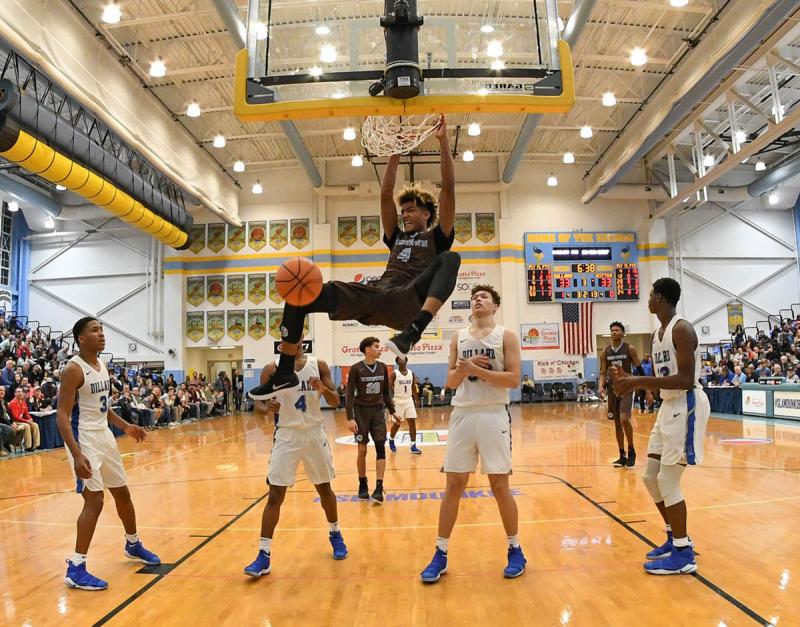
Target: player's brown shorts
(619,404)
(393,307)
(371,422)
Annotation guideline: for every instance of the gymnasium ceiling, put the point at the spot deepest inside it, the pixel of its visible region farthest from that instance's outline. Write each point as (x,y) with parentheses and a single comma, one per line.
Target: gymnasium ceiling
(190,37)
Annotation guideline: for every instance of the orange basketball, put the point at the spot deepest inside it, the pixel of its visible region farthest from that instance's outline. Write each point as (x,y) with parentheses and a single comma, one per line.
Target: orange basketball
(299,281)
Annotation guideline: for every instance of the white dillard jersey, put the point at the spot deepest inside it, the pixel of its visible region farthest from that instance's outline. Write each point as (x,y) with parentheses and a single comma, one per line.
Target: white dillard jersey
(300,408)
(90,412)
(403,386)
(472,392)
(665,358)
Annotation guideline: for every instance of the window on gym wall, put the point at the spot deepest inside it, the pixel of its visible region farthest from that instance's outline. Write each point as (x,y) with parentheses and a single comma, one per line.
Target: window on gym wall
(6,221)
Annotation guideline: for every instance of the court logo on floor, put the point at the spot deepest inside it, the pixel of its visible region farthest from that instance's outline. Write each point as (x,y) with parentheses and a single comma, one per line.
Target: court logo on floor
(424,438)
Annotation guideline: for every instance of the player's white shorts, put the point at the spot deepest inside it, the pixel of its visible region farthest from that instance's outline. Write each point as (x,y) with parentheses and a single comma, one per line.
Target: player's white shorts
(291,446)
(483,432)
(405,409)
(100,448)
(680,428)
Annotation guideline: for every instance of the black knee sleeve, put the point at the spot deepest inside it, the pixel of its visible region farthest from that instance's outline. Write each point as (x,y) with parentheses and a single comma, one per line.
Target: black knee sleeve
(294,317)
(444,278)
(380,449)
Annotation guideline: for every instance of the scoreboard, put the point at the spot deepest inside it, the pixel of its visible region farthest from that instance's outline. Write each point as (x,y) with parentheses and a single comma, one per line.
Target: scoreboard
(581,266)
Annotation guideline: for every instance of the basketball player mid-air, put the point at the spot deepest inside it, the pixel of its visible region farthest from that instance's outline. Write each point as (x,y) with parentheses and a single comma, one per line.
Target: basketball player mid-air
(622,355)
(83,417)
(484,366)
(299,436)
(405,401)
(420,275)
(676,439)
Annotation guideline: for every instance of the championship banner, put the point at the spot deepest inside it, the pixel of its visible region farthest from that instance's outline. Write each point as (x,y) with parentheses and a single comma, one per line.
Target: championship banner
(557,368)
(543,336)
(257,235)
(215,289)
(195,290)
(299,231)
(236,237)
(275,316)
(235,288)
(484,227)
(274,295)
(236,324)
(197,238)
(216,237)
(370,229)
(735,317)
(463,227)
(215,325)
(347,230)
(256,323)
(195,325)
(256,287)
(278,233)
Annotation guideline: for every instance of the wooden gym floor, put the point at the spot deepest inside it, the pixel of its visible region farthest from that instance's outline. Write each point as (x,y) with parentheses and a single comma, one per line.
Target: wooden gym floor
(199,490)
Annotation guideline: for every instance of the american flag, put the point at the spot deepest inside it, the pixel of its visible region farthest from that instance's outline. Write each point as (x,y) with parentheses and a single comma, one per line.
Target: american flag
(577,318)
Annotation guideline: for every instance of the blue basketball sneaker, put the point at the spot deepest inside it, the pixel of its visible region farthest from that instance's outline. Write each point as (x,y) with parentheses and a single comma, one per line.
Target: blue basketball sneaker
(680,562)
(436,568)
(337,542)
(77,577)
(516,563)
(415,450)
(392,446)
(662,551)
(260,566)
(135,551)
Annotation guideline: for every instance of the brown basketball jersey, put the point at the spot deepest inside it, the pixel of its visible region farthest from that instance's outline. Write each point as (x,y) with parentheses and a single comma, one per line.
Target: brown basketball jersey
(369,386)
(411,253)
(621,358)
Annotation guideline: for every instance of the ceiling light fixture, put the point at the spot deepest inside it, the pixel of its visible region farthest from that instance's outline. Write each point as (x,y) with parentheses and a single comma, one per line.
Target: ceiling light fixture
(49,223)
(13,206)
(468,156)
(357,161)
(219,141)
(609,99)
(487,28)
(61,188)
(569,158)
(474,129)
(238,166)
(679,3)
(257,189)
(193,110)
(327,54)
(494,49)
(498,64)
(760,166)
(708,161)
(741,137)
(322,30)
(111,13)
(261,31)
(315,71)
(349,134)
(158,68)
(773,198)
(586,131)
(552,181)
(638,57)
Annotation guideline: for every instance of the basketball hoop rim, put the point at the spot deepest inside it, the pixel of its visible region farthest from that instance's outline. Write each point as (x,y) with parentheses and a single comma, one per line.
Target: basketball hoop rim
(364,106)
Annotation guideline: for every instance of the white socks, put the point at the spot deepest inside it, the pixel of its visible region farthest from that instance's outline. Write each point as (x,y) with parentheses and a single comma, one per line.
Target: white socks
(264,545)
(513,541)
(681,543)
(441,544)
(132,538)
(78,558)
(334,526)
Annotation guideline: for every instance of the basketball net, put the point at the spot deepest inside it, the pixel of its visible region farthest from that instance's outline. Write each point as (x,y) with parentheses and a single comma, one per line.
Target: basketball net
(386,136)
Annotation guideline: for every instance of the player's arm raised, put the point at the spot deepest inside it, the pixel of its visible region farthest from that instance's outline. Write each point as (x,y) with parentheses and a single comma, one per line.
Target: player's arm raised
(327,387)
(388,208)
(447,195)
(71,380)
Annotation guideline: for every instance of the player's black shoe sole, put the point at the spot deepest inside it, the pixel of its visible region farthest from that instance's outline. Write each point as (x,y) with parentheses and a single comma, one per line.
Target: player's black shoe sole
(401,343)
(274,385)
(620,463)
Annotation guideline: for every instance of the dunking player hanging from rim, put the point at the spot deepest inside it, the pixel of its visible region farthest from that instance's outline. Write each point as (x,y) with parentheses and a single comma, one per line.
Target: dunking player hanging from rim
(420,275)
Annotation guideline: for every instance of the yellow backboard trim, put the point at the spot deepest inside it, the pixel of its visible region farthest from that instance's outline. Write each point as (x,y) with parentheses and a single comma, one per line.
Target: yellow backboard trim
(382,105)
